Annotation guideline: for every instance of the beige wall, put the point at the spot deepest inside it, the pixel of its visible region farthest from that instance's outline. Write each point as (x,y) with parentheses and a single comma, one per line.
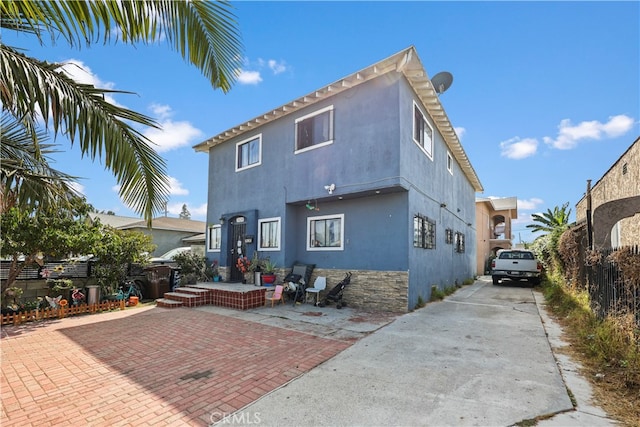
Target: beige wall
(486,243)
(621,181)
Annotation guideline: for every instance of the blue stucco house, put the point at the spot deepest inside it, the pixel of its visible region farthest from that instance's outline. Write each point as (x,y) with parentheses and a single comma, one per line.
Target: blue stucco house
(365,175)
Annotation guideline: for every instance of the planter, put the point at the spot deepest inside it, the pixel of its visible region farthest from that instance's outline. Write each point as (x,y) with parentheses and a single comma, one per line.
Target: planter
(268,279)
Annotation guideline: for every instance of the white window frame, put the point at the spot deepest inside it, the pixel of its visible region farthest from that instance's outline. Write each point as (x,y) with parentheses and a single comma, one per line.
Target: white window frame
(210,239)
(450,163)
(426,150)
(245,141)
(278,225)
(310,219)
(308,116)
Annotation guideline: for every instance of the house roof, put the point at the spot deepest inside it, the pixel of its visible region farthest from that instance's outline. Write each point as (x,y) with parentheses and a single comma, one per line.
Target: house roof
(406,62)
(500,204)
(173,224)
(114,221)
(159,223)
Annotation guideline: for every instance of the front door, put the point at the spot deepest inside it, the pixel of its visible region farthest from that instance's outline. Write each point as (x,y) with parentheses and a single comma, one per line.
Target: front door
(238,249)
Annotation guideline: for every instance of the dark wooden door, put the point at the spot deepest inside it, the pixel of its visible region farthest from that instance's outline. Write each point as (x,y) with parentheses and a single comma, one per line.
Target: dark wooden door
(237,249)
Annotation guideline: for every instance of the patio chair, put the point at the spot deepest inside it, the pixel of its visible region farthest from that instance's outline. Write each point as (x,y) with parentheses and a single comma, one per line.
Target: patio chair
(276,295)
(318,285)
(300,276)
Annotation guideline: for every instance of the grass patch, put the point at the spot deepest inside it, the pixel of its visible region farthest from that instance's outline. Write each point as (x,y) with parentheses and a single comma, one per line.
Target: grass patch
(609,350)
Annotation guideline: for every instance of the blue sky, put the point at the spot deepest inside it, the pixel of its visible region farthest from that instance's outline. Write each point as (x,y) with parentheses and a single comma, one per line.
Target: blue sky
(545,94)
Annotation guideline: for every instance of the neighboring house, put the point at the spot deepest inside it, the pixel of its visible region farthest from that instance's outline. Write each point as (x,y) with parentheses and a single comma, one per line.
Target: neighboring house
(493,228)
(615,203)
(167,233)
(365,175)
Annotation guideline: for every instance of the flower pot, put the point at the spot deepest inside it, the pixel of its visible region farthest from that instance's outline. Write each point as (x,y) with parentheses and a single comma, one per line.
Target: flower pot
(268,279)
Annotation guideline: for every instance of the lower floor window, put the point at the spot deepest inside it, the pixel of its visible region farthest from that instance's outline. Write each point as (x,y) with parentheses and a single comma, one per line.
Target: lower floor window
(449,236)
(214,238)
(325,232)
(269,237)
(424,232)
(459,242)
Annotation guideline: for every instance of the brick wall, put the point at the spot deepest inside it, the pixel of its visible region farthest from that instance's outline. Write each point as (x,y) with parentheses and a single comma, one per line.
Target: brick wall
(370,290)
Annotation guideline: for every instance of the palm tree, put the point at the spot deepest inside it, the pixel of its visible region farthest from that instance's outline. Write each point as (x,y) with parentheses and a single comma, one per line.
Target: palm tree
(551,221)
(203,32)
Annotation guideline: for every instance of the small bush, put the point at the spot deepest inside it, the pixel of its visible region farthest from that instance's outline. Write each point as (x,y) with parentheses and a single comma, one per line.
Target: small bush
(436,293)
(193,267)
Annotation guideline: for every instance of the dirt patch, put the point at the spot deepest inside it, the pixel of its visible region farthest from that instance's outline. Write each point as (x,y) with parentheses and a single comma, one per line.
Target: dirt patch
(313,313)
(374,317)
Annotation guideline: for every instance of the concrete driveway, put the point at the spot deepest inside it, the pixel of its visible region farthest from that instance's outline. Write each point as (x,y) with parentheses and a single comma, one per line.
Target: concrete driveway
(479,358)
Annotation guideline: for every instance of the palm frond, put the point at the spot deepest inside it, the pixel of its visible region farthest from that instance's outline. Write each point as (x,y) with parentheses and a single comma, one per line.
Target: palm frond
(29,87)
(27,180)
(204,32)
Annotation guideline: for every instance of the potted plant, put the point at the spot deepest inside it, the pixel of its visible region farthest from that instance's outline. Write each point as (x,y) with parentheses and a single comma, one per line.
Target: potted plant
(215,272)
(60,287)
(268,272)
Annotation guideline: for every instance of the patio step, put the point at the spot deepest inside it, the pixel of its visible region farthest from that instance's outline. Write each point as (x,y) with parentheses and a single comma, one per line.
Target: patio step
(187,299)
(194,291)
(168,303)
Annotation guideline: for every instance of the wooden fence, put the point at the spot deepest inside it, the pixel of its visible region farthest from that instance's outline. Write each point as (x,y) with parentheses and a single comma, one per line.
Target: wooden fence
(60,312)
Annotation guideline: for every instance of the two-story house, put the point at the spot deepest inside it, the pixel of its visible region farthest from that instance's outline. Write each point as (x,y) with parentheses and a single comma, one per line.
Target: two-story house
(493,228)
(365,175)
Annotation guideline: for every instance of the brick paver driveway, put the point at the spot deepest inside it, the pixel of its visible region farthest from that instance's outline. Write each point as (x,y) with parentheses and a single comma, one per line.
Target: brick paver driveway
(148,366)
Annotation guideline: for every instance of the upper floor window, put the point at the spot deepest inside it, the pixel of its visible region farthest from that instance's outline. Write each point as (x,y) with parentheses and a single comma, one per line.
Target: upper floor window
(422,131)
(450,163)
(249,153)
(214,238)
(269,234)
(325,233)
(315,129)
(424,232)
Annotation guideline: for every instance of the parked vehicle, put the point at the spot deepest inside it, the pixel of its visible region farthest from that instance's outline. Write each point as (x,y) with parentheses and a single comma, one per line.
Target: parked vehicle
(167,257)
(516,265)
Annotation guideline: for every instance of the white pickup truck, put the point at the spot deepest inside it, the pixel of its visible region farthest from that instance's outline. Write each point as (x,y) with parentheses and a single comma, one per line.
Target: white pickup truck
(516,265)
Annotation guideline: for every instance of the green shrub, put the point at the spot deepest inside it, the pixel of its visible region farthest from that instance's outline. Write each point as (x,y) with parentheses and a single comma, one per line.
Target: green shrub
(193,267)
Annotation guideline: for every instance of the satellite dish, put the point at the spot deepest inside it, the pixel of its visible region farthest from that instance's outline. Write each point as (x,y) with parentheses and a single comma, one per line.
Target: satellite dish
(442,81)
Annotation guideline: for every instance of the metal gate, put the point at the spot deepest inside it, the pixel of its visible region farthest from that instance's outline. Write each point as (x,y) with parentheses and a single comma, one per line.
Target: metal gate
(238,248)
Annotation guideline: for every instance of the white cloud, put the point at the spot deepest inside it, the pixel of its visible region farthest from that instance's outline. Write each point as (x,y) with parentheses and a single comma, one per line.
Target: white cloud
(78,187)
(253,77)
(199,211)
(277,67)
(460,131)
(172,134)
(530,204)
(516,148)
(161,111)
(176,188)
(569,135)
(249,77)
(81,73)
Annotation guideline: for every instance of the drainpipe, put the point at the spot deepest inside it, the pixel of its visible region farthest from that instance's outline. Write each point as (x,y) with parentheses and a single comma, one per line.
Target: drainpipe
(589,225)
